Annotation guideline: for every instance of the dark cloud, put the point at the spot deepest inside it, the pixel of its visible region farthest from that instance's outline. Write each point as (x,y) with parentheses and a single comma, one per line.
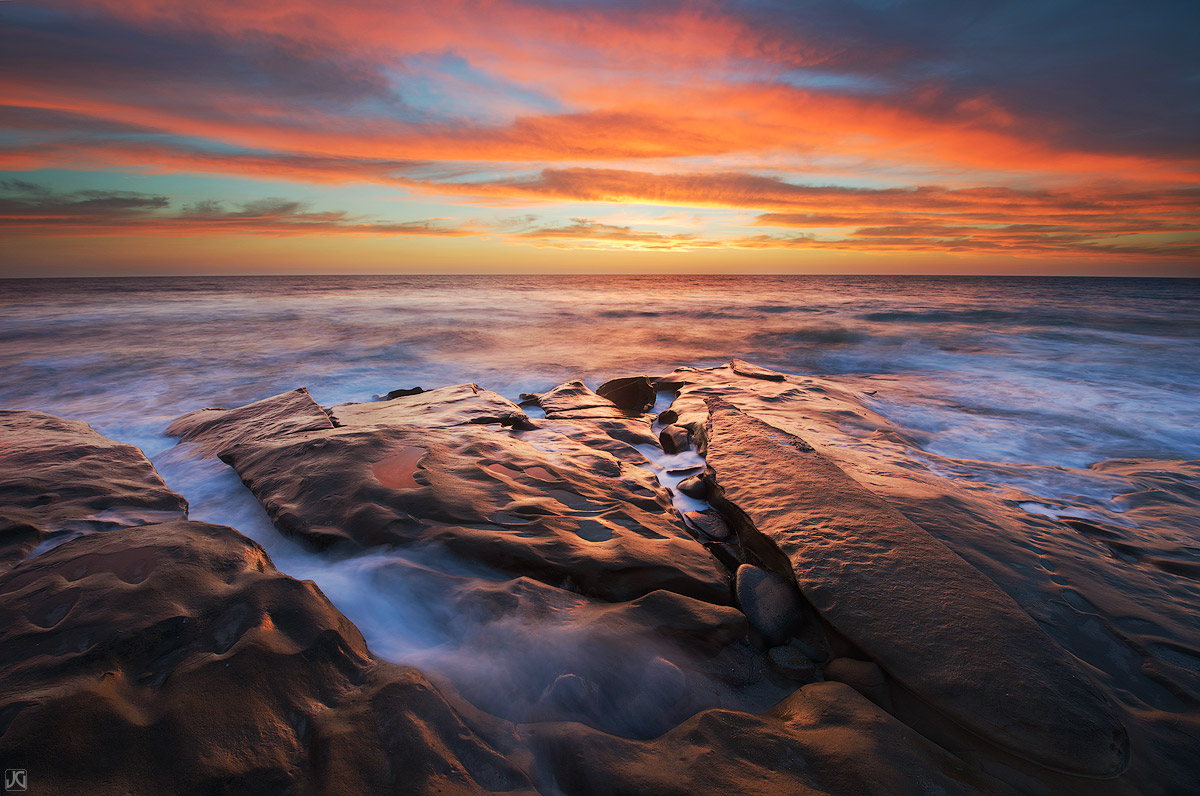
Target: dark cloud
(1110,75)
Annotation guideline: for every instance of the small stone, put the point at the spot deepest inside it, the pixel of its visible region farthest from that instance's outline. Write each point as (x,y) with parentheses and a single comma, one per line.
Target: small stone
(675,439)
(771,603)
(709,523)
(792,663)
(693,487)
(667,416)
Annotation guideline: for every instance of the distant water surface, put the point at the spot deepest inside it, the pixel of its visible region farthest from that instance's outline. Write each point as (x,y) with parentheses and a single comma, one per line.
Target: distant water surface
(1052,371)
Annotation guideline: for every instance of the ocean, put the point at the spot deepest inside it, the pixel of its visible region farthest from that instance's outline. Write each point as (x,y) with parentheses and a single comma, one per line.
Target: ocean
(1034,388)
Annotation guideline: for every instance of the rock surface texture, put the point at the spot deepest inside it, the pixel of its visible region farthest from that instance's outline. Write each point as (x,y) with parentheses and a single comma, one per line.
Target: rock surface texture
(815,630)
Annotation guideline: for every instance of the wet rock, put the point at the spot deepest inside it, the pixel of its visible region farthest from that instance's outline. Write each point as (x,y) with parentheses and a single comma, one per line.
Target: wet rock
(710,523)
(179,638)
(457,405)
(575,398)
(823,739)
(538,503)
(743,368)
(853,553)
(667,417)
(792,663)
(631,394)
(772,603)
(59,478)
(675,439)
(693,487)
(403,393)
(863,676)
(291,412)
(664,681)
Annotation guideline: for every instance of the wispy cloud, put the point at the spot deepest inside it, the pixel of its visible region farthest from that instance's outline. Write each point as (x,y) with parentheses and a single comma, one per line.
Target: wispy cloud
(33,209)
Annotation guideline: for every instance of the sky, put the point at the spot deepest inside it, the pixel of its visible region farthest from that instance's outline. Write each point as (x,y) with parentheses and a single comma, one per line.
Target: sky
(856,136)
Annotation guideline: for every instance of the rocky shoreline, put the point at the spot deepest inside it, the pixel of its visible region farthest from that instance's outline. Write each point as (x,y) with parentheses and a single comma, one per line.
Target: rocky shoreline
(768,613)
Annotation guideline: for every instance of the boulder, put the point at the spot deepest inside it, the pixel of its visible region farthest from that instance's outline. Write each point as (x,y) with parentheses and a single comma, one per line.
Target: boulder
(631,394)
(675,439)
(771,602)
(908,602)
(693,487)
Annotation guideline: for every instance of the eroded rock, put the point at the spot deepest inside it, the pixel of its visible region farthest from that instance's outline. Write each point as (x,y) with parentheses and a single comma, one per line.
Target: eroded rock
(631,394)
(542,506)
(910,603)
(59,478)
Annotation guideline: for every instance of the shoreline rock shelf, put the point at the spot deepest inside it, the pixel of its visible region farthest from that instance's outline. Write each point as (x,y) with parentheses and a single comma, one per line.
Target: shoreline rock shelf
(802,635)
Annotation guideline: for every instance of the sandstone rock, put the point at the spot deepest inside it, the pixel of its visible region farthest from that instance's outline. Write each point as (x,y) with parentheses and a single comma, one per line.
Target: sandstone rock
(710,523)
(458,405)
(631,394)
(402,392)
(574,397)
(823,739)
(537,504)
(772,603)
(675,439)
(791,662)
(863,676)
(693,487)
(743,368)
(291,412)
(59,478)
(667,417)
(140,660)
(852,553)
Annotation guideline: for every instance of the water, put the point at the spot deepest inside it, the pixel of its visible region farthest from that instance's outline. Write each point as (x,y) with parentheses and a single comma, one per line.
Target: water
(1051,371)
(1009,383)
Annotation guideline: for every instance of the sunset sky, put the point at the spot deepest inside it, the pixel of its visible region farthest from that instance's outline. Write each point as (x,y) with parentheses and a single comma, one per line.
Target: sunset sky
(232,136)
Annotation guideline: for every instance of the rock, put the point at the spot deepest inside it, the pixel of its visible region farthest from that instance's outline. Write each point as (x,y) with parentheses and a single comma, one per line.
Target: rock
(710,523)
(863,676)
(792,663)
(631,394)
(291,412)
(570,694)
(667,417)
(693,487)
(444,407)
(772,603)
(575,399)
(909,602)
(823,739)
(558,511)
(403,393)
(127,656)
(742,368)
(59,478)
(664,682)
(675,439)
